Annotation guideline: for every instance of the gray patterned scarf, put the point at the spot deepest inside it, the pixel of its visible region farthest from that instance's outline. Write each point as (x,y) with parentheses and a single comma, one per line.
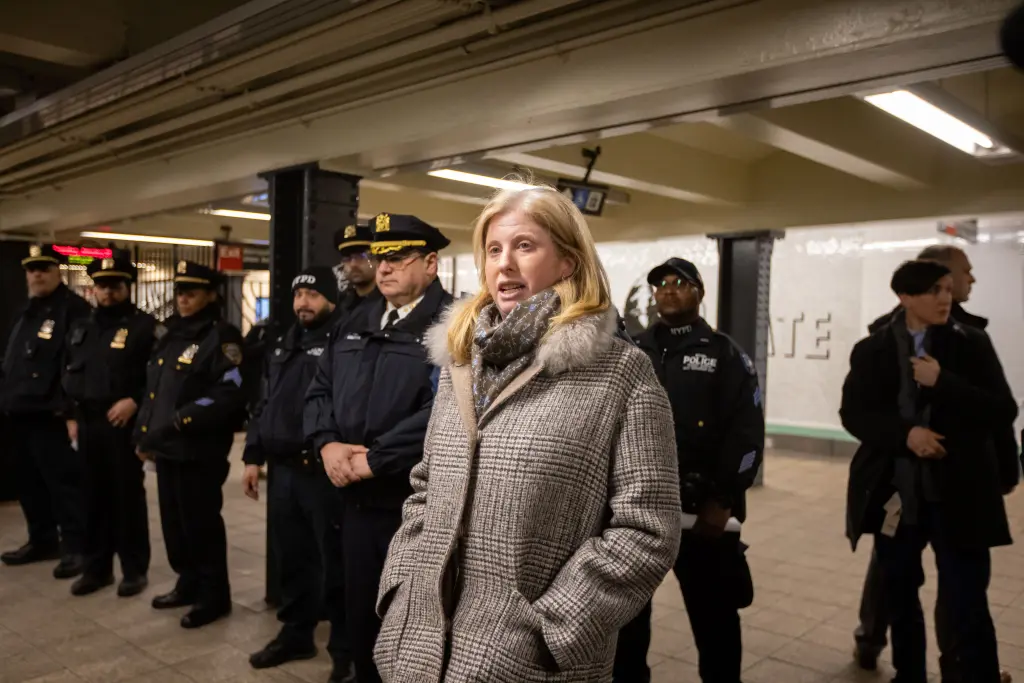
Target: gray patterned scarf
(504,348)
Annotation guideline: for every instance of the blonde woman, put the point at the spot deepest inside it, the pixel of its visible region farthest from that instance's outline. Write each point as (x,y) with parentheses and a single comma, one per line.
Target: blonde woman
(546,509)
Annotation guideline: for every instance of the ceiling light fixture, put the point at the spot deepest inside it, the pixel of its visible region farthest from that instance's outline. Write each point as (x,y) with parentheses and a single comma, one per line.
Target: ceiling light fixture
(232,213)
(121,237)
(924,115)
(900,244)
(476,179)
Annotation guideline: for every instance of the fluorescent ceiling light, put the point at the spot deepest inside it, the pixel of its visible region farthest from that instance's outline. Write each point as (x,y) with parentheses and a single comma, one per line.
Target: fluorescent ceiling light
(924,115)
(121,237)
(231,213)
(899,244)
(473,178)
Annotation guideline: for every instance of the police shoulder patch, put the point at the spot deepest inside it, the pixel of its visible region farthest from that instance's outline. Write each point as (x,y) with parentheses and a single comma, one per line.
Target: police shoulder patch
(233,352)
(159,331)
(748,363)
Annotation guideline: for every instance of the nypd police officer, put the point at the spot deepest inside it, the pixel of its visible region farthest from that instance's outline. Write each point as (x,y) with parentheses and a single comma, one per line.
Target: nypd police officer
(357,267)
(105,376)
(49,471)
(304,526)
(719,422)
(368,407)
(192,406)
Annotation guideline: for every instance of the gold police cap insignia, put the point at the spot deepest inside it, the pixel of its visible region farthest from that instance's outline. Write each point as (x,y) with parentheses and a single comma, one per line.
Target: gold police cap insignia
(383,223)
(35,250)
(350,232)
(182,267)
(107,264)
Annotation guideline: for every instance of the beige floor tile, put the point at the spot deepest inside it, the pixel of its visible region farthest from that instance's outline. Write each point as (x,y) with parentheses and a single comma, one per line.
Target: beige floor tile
(26,665)
(223,664)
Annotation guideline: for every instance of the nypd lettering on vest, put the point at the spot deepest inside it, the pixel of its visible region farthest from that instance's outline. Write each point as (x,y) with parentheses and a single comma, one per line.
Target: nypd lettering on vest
(700,363)
(315,351)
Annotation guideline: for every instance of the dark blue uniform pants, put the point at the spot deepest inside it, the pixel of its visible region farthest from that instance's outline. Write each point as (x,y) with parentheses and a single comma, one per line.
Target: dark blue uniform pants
(305,510)
(703,568)
(118,519)
(366,534)
(50,486)
(191,498)
(963,579)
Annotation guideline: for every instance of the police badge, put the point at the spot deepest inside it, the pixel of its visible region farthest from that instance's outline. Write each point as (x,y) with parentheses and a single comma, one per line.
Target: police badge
(107,264)
(120,337)
(35,250)
(383,223)
(350,232)
(46,330)
(188,354)
(182,267)
(232,352)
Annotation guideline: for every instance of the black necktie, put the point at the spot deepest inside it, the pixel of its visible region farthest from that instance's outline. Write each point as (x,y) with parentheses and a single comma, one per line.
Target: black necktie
(392,319)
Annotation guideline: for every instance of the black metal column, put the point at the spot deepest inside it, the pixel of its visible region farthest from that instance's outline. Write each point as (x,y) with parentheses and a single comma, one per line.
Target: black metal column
(744,276)
(307,206)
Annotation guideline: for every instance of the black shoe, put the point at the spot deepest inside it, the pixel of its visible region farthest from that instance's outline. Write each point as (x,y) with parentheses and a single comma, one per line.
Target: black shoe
(29,553)
(130,586)
(866,657)
(342,673)
(69,567)
(201,615)
(88,583)
(278,651)
(172,600)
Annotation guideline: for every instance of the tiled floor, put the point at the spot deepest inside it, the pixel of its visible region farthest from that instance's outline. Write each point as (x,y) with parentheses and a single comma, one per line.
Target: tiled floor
(798,630)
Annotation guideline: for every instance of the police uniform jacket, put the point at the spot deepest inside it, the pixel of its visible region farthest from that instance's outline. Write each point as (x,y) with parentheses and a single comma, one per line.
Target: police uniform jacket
(35,354)
(194,400)
(969,401)
(716,404)
(375,388)
(107,356)
(275,429)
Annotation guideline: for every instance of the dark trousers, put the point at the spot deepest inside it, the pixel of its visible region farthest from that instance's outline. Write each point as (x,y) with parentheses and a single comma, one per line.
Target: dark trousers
(366,534)
(705,569)
(118,520)
(305,511)
(874,622)
(50,482)
(963,579)
(191,498)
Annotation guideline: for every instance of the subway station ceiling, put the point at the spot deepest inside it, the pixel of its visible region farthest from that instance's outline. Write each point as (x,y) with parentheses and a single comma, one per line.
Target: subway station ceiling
(710,115)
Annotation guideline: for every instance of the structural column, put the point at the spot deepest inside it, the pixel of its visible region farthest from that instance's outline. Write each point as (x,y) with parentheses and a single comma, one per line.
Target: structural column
(307,206)
(744,277)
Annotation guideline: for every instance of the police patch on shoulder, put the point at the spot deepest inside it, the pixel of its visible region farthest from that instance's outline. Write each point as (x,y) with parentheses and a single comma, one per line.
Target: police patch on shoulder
(748,364)
(159,331)
(233,352)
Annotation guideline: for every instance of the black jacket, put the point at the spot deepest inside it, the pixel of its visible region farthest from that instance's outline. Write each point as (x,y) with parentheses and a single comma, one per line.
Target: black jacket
(376,388)
(275,428)
(970,400)
(717,408)
(35,354)
(1004,437)
(107,355)
(194,398)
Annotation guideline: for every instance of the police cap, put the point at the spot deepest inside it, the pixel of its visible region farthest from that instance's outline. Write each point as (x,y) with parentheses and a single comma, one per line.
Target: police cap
(353,238)
(191,275)
(679,267)
(117,267)
(41,256)
(395,233)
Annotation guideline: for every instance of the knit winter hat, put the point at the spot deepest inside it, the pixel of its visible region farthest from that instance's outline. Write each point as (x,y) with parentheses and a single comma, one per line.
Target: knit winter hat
(320,279)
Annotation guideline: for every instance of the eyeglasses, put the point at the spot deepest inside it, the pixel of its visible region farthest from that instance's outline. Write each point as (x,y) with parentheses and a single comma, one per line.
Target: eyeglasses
(673,284)
(355,257)
(395,261)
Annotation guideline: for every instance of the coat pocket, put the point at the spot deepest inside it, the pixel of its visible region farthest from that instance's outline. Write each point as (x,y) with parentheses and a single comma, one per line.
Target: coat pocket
(519,653)
(389,640)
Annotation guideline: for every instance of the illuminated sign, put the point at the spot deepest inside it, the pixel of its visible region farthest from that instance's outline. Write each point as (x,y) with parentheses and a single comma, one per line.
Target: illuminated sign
(86,252)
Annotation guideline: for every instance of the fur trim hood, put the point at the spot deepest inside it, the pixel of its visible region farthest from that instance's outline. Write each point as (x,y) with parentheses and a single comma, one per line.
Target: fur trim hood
(572,346)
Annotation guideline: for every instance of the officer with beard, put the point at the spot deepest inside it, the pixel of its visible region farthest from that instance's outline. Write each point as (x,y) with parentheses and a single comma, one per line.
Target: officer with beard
(719,424)
(304,536)
(49,471)
(193,404)
(354,248)
(106,376)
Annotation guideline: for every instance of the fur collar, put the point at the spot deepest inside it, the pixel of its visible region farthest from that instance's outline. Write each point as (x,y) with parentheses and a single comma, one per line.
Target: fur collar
(572,346)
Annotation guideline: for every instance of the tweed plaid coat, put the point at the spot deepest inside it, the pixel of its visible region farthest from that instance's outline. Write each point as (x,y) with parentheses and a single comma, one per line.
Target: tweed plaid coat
(537,531)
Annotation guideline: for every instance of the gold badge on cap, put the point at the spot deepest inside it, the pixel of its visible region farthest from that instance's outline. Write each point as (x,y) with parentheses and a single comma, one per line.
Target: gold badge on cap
(35,250)
(107,264)
(188,354)
(383,223)
(182,267)
(46,330)
(350,232)
(120,337)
